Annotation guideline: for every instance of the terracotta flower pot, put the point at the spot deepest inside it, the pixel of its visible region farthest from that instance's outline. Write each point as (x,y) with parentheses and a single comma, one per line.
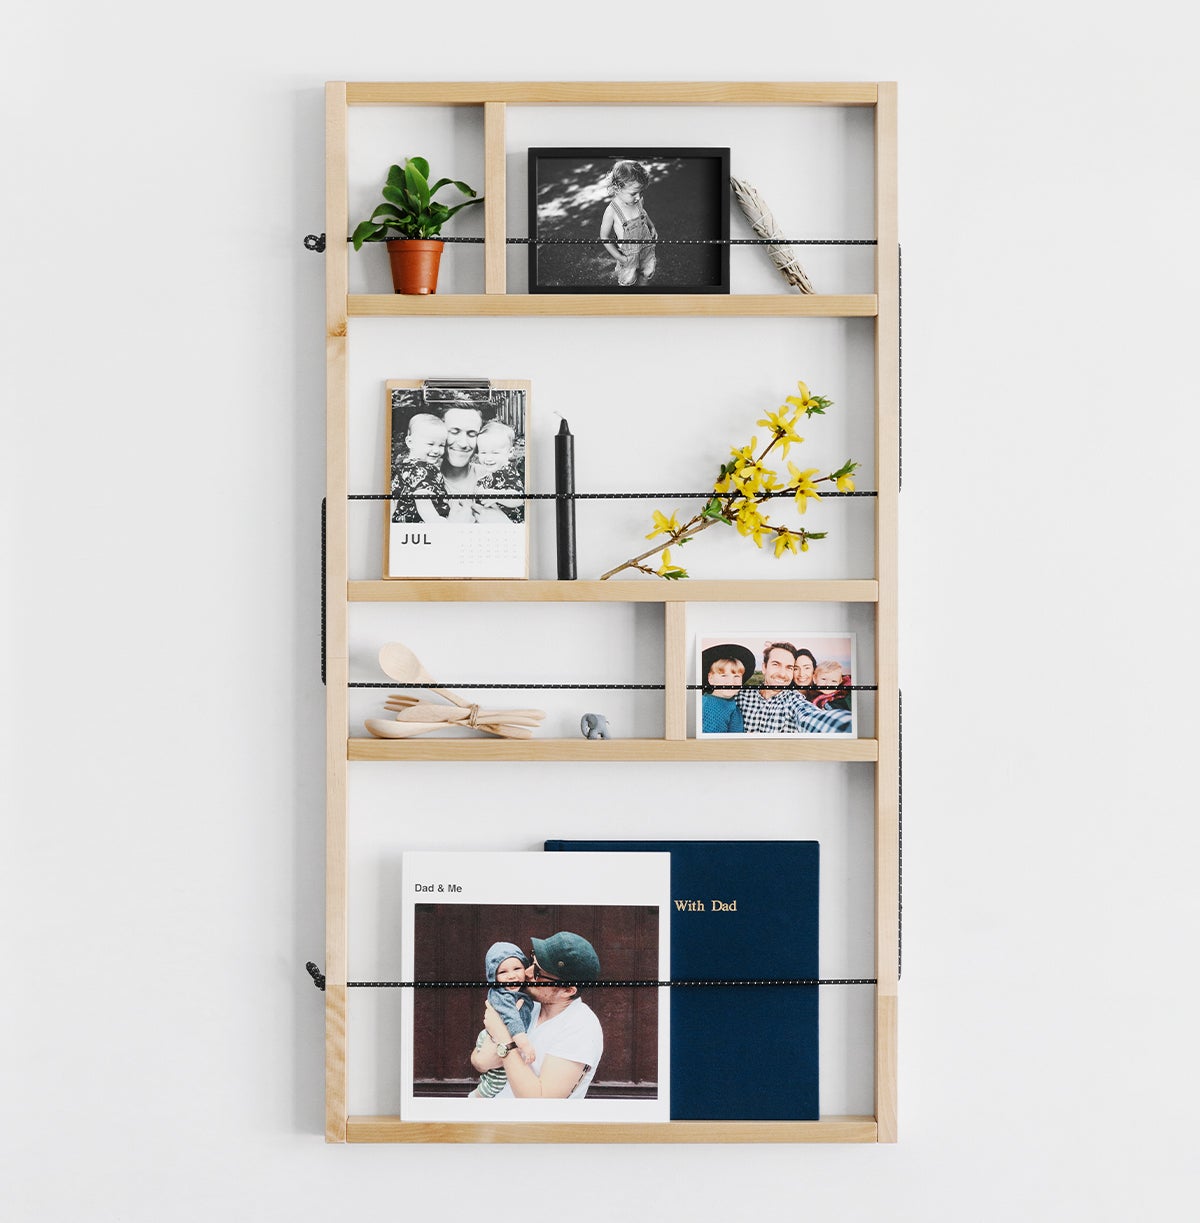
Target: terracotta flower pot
(415,264)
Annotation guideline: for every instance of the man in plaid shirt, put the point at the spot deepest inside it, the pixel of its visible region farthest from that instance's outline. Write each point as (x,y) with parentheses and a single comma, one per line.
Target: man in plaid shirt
(777,709)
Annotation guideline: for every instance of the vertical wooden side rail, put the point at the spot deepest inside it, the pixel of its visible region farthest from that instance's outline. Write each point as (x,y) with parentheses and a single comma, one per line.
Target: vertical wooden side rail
(887,466)
(675,671)
(336,627)
(495,250)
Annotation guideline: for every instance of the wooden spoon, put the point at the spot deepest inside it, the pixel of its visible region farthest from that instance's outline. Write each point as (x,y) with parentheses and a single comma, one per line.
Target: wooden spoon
(401,664)
(385,728)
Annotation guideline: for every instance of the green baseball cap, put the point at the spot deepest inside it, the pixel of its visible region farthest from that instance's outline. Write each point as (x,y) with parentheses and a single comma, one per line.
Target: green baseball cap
(569,956)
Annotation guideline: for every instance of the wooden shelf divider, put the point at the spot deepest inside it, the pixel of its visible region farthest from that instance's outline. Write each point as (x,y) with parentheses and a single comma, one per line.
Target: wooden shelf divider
(753,748)
(634,591)
(612,93)
(495,304)
(827,1129)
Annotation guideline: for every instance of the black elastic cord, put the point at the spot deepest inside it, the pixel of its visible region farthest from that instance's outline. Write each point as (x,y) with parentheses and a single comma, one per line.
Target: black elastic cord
(319,980)
(900,836)
(324,561)
(315,242)
(397,683)
(591,496)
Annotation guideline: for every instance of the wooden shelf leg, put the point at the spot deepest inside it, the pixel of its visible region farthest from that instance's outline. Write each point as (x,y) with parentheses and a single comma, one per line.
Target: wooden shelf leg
(337,618)
(887,709)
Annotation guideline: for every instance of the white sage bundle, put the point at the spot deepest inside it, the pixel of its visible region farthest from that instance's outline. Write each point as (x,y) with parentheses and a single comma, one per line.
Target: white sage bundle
(763,222)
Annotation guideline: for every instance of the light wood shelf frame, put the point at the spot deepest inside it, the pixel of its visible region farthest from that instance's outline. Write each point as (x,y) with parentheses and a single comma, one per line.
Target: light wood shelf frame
(558,305)
(881,752)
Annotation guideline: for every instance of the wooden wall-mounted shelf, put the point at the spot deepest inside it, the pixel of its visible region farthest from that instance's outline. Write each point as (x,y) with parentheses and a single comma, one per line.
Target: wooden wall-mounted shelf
(879,591)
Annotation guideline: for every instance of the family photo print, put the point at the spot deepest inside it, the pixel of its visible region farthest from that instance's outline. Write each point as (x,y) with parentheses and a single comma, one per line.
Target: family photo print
(457,475)
(542,1038)
(629,220)
(791,682)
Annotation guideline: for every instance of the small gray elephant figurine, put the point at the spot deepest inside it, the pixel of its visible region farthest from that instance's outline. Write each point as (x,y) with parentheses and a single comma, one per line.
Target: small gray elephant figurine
(594,726)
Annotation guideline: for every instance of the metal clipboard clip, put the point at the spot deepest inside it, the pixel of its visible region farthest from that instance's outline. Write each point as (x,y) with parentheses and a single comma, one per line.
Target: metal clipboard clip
(466,391)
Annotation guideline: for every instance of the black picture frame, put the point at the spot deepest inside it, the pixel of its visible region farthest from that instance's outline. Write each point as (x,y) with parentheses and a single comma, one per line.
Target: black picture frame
(686,200)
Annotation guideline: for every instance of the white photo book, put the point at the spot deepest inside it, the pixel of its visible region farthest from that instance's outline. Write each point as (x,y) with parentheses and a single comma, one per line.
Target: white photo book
(532,1031)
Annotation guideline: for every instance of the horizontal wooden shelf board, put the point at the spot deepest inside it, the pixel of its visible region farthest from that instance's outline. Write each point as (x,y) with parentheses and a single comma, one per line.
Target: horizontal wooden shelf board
(827,1129)
(558,305)
(751,748)
(631,591)
(609,93)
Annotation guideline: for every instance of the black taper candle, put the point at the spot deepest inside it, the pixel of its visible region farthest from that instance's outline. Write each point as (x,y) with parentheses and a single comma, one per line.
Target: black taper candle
(564,486)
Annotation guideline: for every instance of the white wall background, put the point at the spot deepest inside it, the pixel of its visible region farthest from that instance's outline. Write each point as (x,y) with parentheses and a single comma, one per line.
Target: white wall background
(162,807)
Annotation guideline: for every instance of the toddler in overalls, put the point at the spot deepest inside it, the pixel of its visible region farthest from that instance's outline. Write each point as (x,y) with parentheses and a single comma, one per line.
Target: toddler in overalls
(625,219)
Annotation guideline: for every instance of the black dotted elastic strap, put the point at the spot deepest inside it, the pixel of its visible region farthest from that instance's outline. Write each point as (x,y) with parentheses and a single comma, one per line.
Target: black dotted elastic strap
(319,980)
(315,242)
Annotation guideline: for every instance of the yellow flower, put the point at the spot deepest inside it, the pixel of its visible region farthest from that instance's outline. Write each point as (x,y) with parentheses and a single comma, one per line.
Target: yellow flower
(808,403)
(746,454)
(750,522)
(667,570)
(845,484)
(804,486)
(785,541)
(803,400)
(664,525)
(769,481)
(748,479)
(804,544)
(784,430)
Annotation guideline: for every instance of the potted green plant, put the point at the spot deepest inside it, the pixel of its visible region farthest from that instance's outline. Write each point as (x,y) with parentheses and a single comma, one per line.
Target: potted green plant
(417,218)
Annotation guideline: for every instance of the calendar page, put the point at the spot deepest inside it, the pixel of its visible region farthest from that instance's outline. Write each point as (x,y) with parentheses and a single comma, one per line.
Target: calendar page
(457,472)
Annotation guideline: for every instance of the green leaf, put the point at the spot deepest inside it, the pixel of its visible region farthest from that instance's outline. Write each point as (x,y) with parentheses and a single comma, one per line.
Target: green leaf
(847,468)
(417,186)
(364,233)
(464,204)
(409,208)
(673,575)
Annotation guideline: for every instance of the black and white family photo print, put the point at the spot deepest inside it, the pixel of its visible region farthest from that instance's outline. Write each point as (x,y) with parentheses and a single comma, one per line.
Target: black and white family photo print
(458,473)
(629,220)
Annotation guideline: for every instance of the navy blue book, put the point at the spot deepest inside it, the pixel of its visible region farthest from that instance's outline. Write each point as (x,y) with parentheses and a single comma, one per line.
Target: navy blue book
(741,910)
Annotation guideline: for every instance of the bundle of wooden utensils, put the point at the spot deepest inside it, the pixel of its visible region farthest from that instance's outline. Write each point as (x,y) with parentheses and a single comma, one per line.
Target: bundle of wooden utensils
(416,716)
